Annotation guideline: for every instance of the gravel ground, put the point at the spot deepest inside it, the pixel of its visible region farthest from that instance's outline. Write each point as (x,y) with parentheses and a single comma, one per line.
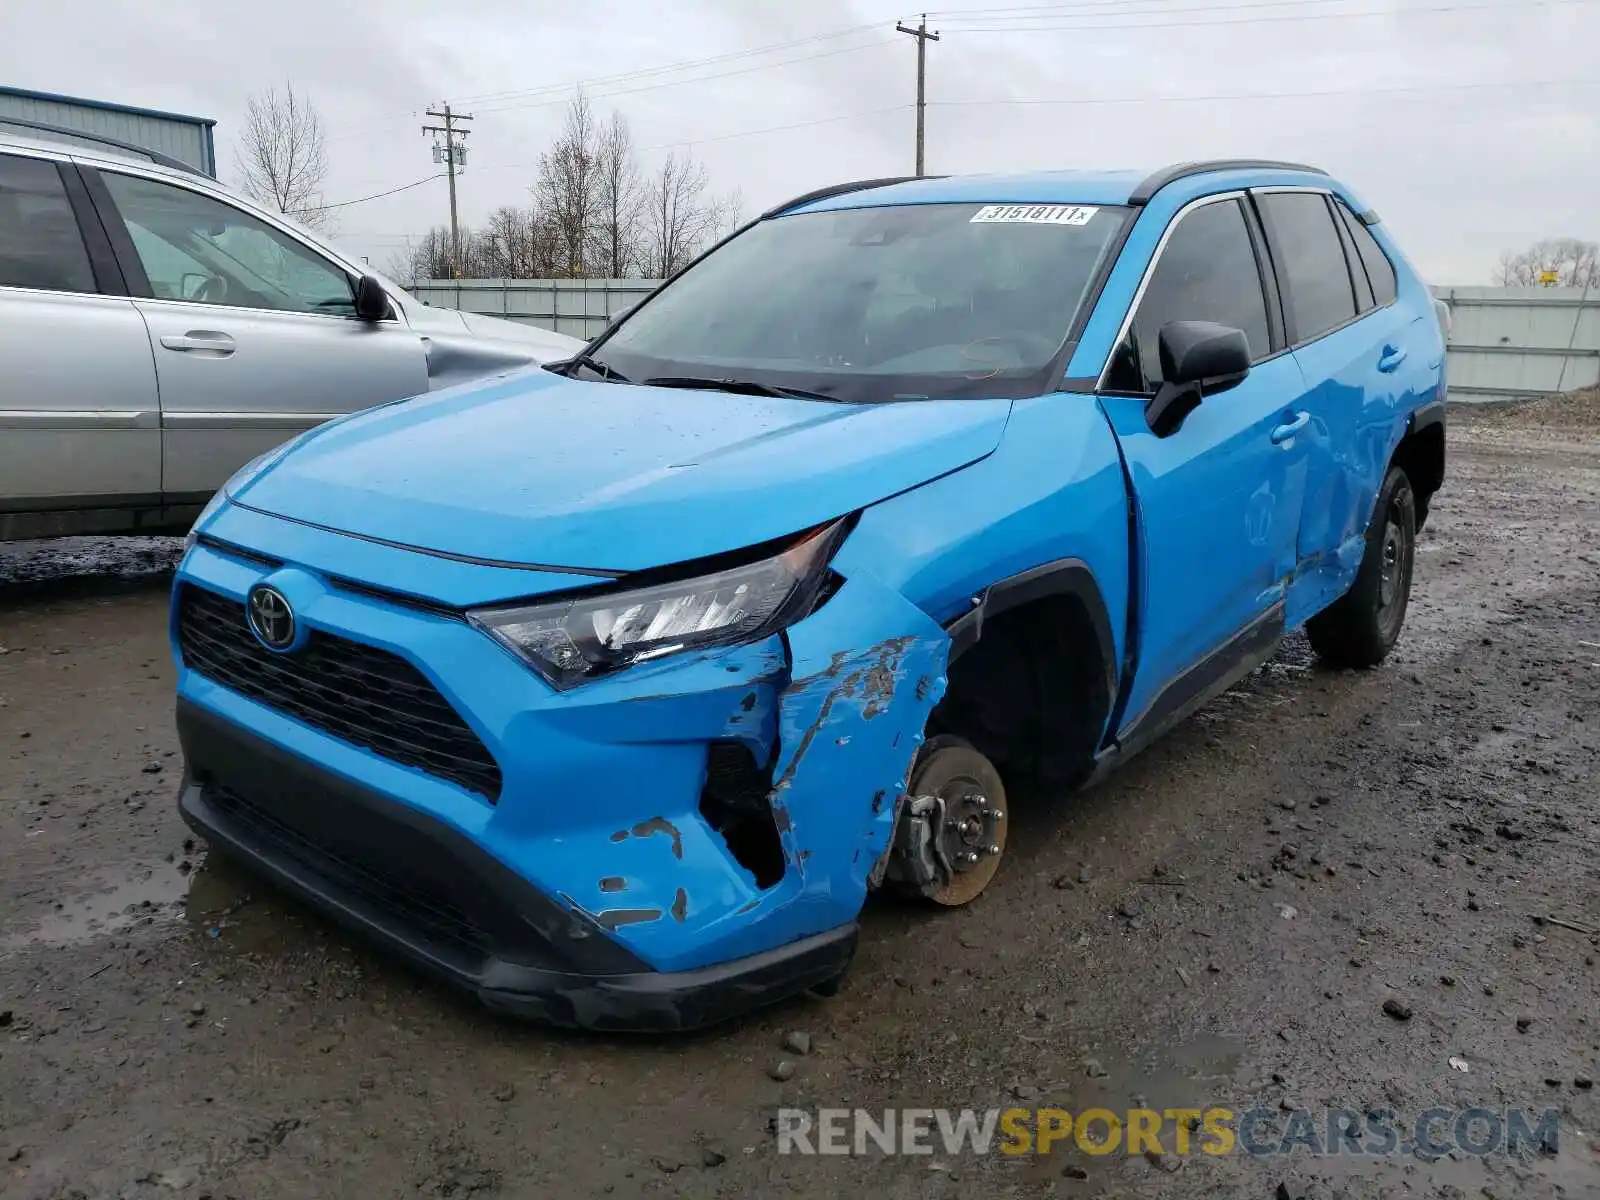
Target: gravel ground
(1222,922)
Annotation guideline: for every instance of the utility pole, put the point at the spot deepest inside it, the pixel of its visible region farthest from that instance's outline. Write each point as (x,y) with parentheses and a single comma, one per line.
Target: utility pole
(923,38)
(453,154)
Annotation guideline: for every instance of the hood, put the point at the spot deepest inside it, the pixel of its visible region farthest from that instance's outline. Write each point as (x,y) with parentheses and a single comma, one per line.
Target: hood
(464,346)
(541,470)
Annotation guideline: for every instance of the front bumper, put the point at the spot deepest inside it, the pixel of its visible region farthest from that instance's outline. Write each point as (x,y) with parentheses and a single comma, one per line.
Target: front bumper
(430,894)
(612,846)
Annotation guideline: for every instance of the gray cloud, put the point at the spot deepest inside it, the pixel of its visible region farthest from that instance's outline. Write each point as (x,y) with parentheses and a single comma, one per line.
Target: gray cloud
(1460,172)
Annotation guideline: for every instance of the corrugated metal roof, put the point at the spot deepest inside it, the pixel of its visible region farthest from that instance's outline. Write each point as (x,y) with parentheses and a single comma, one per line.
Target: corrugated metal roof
(177,135)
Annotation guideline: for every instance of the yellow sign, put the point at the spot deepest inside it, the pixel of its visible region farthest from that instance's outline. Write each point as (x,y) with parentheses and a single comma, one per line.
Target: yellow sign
(1548,278)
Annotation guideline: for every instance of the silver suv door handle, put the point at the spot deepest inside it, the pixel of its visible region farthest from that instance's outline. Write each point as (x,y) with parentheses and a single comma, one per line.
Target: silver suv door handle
(207,343)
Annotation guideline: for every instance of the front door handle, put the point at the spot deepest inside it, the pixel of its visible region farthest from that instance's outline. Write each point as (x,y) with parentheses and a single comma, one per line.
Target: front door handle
(1391,358)
(1282,433)
(206,343)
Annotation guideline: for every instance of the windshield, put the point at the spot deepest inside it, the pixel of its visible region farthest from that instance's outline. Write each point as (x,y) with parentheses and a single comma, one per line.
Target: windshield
(917,301)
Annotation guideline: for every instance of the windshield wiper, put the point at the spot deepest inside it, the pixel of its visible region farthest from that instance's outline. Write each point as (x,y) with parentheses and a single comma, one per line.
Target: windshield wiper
(742,387)
(607,372)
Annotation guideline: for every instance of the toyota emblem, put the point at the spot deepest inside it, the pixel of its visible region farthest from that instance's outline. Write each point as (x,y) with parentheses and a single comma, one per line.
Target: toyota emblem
(271,618)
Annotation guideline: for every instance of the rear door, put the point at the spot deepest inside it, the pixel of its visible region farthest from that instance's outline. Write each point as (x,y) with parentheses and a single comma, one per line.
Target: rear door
(254,331)
(79,421)
(1218,501)
(1350,338)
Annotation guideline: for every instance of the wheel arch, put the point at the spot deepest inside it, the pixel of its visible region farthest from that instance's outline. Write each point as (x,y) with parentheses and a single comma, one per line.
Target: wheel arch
(1421,454)
(1048,627)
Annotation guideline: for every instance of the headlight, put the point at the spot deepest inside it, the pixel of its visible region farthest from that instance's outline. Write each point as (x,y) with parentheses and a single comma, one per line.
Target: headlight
(589,635)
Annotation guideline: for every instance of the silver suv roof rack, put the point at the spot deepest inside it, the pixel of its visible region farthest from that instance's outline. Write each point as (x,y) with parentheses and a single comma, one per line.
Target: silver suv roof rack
(155,156)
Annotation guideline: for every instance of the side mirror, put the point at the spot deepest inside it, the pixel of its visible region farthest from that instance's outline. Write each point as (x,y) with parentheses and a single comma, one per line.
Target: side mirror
(372,302)
(1198,359)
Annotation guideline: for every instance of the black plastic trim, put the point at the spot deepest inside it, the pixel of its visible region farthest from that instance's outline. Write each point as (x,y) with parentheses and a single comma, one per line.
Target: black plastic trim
(102,260)
(1063,577)
(562,968)
(1434,412)
(1212,675)
(1157,180)
(133,272)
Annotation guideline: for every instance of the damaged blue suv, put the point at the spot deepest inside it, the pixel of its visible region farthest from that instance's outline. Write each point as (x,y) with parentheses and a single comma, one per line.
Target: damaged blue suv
(610,689)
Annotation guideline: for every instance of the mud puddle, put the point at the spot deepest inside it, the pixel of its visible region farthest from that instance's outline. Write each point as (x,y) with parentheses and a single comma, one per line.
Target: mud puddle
(121,901)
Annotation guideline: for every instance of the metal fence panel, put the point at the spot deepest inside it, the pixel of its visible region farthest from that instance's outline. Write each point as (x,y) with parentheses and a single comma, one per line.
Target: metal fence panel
(1514,343)
(580,307)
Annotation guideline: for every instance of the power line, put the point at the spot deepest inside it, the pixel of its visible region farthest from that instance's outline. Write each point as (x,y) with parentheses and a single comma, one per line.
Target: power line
(375,196)
(644,72)
(724,137)
(1338,16)
(1091,101)
(788,62)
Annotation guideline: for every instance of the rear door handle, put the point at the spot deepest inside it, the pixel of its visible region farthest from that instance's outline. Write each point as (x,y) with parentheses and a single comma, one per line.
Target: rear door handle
(206,342)
(1391,358)
(1282,433)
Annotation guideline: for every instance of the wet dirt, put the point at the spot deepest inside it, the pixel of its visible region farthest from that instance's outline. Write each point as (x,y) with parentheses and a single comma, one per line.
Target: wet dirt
(1221,922)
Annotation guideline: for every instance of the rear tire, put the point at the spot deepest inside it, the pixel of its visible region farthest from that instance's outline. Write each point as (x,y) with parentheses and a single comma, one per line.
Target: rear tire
(1360,628)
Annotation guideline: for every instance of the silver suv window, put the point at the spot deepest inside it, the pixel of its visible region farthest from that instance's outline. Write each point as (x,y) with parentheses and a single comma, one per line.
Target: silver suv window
(40,246)
(201,250)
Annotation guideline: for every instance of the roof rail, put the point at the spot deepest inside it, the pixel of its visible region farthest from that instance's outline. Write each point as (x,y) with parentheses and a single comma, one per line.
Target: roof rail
(842,189)
(1155,182)
(155,156)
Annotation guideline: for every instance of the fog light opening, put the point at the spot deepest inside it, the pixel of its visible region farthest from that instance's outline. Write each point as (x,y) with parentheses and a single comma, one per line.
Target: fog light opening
(735,801)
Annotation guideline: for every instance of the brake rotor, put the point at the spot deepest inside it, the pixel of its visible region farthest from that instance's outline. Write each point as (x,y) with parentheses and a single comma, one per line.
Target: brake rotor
(971,832)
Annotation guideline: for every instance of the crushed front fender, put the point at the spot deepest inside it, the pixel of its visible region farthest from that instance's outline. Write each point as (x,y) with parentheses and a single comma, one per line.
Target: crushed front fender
(866,671)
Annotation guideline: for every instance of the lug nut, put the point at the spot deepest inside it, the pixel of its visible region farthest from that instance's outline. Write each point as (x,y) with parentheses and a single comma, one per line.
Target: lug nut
(994,849)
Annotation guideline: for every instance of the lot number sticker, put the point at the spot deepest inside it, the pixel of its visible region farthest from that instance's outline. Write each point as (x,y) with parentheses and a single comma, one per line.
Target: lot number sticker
(1034,214)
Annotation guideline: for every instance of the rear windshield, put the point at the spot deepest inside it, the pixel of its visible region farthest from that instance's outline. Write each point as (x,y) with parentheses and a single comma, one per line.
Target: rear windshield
(921,301)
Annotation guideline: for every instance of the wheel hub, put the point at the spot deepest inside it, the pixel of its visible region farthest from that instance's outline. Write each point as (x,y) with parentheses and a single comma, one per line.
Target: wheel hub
(1389,566)
(971,825)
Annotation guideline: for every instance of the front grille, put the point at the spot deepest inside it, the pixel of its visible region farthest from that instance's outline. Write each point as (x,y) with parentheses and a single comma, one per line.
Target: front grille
(359,694)
(410,899)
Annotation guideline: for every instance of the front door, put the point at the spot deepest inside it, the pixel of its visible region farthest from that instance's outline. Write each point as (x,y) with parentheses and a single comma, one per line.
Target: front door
(254,332)
(78,415)
(1217,502)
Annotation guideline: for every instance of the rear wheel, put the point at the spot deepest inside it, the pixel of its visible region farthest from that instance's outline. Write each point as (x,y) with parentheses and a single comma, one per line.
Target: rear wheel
(953,824)
(1361,627)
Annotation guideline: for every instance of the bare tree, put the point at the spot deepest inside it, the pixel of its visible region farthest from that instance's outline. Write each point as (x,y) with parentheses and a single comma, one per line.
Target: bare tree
(1574,262)
(567,189)
(678,219)
(428,257)
(619,200)
(282,157)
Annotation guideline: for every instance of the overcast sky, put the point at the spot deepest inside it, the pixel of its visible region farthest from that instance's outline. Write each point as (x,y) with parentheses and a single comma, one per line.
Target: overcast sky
(1473,126)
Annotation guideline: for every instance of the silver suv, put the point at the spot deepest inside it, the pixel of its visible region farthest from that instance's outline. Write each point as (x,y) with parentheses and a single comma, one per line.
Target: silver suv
(157,332)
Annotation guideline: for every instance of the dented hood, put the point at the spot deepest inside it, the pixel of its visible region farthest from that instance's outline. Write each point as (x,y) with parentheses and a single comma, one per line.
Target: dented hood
(538,469)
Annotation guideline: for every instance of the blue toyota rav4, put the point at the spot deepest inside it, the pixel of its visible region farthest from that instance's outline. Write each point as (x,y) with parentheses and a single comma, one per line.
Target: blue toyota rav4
(610,689)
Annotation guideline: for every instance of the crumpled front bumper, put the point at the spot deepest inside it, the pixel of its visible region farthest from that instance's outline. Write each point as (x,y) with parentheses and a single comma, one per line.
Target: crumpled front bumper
(593,890)
(438,900)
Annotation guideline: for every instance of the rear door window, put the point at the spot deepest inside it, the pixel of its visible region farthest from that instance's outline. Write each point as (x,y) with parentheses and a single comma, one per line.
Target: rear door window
(1207,272)
(1312,263)
(40,245)
(1380,271)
